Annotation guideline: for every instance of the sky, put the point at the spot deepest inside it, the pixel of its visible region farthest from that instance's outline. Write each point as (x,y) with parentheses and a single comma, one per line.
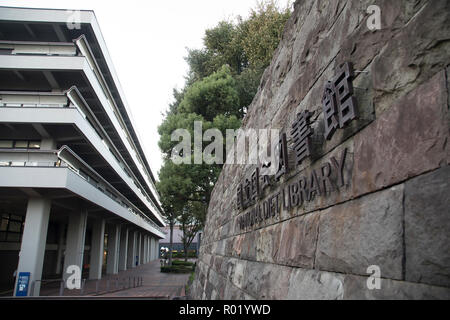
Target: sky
(147,42)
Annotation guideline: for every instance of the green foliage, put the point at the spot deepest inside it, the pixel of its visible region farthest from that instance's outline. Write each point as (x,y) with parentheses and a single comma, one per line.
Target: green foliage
(200,64)
(213,95)
(247,83)
(262,32)
(189,283)
(173,121)
(180,254)
(182,263)
(222,80)
(244,45)
(177,269)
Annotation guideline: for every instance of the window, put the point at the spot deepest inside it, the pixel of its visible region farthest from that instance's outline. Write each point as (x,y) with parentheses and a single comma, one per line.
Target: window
(6,143)
(34,145)
(14,226)
(4,223)
(21,144)
(13,237)
(11,227)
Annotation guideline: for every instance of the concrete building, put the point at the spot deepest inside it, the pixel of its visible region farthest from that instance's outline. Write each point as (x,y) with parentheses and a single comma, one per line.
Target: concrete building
(177,239)
(75,185)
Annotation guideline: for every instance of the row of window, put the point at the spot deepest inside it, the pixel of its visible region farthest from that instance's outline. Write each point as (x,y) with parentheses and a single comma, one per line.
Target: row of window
(11,228)
(20,144)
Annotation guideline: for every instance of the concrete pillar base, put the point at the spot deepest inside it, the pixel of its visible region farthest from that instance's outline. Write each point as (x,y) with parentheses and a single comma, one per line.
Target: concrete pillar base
(32,250)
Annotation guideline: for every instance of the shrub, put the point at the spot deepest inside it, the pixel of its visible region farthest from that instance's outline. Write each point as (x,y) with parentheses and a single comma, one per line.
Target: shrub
(182,263)
(177,269)
(180,254)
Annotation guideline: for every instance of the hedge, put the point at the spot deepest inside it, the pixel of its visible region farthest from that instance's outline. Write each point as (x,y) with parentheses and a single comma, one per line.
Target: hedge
(177,269)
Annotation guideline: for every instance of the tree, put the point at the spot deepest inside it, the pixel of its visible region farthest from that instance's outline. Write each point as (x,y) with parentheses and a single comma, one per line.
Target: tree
(191,222)
(261,33)
(246,47)
(213,95)
(171,200)
(170,214)
(222,80)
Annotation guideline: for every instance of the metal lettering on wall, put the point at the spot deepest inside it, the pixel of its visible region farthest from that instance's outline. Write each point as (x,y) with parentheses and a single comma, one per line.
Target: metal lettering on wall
(339,109)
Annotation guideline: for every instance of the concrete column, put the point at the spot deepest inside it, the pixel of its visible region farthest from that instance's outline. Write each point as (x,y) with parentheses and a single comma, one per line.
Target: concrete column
(138,250)
(123,252)
(32,249)
(152,249)
(152,242)
(97,248)
(131,249)
(59,253)
(76,232)
(112,260)
(142,258)
(149,257)
(145,248)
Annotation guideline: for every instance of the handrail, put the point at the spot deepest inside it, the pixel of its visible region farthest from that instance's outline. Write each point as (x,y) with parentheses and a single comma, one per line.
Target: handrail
(38,48)
(83,170)
(122,283)
(87,112)
(131,207)
(86,50)
(56,44)
(34,99)
(75,97)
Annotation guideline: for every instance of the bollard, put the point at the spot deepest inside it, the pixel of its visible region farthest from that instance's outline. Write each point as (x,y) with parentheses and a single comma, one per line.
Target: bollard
(30,293)
(83,283)
(61,288)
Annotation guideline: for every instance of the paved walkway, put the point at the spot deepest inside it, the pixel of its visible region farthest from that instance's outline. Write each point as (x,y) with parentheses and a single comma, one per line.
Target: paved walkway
(155,284)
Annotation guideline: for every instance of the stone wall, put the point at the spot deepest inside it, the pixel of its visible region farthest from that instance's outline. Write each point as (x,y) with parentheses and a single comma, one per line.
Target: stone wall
(393,209)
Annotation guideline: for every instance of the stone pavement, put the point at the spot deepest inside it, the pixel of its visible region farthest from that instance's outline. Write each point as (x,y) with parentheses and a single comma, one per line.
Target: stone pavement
(155,284)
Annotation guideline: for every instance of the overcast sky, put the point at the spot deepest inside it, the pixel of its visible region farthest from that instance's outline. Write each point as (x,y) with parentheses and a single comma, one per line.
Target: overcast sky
(147,42)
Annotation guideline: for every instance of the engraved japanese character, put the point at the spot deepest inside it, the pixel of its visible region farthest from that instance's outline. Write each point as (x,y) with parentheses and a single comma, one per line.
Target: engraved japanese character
(338,103)
(282,154)
(301,131)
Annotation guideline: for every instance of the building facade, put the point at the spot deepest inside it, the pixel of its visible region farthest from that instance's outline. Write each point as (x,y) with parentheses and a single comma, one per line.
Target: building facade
(75,186)
(177,239)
